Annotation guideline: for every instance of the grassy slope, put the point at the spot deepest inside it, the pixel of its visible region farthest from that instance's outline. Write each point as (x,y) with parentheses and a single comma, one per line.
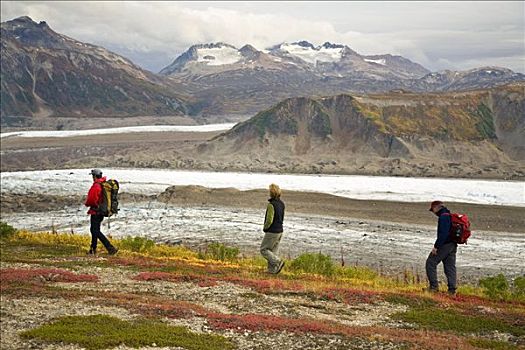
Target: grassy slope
(429,321)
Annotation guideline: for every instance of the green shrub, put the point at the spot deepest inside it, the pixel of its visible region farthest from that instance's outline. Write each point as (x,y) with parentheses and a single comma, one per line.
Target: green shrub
(495,287)
(314,263)
(492,344)
(485,125)
(6,230)
(103,332)
(361,273)
(137,244)
(218,251)
(450,320)
(519,286)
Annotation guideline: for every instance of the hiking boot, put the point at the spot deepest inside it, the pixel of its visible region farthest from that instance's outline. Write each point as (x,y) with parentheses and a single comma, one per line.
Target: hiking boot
(452,293)
(281,265)
(113,251)
(92,252)
(430,290)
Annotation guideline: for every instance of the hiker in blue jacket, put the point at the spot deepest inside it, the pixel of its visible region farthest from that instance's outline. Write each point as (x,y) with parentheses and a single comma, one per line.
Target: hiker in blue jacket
(444,250)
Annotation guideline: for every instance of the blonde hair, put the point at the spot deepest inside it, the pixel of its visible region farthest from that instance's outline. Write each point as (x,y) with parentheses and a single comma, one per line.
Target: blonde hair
(275,191)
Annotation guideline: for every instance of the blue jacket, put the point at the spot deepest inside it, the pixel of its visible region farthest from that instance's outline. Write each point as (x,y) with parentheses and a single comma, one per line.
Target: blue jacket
(443,229)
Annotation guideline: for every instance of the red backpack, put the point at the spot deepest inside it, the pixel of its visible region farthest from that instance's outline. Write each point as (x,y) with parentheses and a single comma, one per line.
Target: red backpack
(460,228)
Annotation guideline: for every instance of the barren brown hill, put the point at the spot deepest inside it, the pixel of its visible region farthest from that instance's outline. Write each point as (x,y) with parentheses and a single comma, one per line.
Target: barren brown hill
(439,134)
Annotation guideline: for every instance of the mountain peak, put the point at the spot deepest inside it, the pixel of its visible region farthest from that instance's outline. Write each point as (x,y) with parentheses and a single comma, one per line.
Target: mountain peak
(217,45)
(489,69)
(208,54)
(304,43)
(25,30)
(329,45)
(250,52)
(23,19)
(26,22)
(248,48)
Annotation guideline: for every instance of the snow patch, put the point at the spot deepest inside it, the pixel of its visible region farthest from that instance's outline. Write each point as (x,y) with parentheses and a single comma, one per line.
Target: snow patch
(218,56)
(381,61)
(313,55)
(122,130)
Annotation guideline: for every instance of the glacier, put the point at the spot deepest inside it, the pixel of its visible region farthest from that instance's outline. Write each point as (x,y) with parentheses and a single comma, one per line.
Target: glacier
(404,189)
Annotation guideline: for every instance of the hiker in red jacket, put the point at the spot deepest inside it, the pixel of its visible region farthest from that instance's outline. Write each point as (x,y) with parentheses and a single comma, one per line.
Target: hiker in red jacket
(93,201)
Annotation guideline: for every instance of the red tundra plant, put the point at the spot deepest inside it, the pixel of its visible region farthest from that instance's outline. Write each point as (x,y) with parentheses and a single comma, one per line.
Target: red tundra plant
(256,322)
(415,339)
(208,283)
(155,276)
(261,286)
(350,296)
(153,306)
(44,275)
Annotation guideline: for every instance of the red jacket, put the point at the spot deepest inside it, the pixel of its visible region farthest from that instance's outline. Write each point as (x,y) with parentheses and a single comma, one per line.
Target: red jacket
(94,196)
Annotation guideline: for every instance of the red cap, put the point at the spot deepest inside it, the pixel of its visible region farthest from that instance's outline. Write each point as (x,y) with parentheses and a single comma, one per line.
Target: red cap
(435,204)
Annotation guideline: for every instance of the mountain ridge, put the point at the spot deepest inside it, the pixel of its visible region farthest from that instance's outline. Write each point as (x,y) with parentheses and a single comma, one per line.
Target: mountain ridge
(45,73)
(301,53)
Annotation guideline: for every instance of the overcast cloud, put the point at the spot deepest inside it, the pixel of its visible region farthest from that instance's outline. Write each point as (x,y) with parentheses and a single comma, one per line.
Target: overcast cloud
(438,35)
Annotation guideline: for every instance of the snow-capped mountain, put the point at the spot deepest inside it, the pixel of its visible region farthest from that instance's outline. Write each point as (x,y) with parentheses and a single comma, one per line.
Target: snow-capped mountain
(232,80)
(215,54)
(331,60)
(204,59)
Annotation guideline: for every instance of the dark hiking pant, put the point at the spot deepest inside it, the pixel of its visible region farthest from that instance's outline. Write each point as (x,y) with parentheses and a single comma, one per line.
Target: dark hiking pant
(447,255)
(96,221)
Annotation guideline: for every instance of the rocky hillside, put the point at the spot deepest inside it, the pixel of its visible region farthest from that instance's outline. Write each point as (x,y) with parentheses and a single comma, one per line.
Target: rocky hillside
(452,133)
(47,74)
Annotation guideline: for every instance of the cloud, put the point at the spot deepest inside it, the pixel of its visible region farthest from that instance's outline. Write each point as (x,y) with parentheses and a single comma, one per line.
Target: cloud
(153,34)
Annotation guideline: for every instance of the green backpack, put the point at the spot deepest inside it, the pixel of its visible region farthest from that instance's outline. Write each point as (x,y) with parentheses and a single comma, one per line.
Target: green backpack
(109,204)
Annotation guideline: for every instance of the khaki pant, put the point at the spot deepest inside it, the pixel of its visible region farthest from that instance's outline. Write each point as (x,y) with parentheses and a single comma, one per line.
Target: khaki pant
(269,250)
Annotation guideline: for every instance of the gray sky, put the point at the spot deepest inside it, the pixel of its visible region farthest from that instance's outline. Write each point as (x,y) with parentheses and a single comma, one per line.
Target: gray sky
(438,35)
